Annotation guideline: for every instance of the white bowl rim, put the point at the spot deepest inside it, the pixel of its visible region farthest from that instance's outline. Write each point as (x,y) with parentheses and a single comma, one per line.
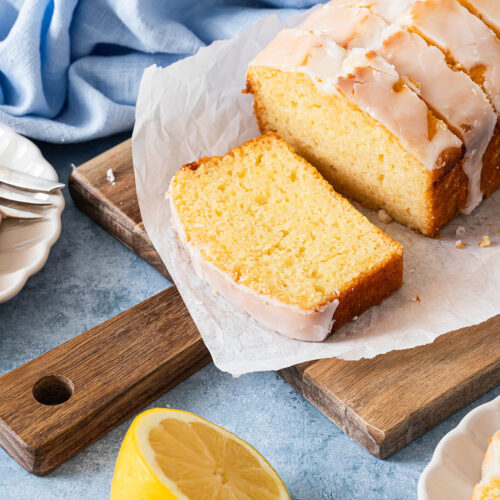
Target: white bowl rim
(45,245)
(439,453)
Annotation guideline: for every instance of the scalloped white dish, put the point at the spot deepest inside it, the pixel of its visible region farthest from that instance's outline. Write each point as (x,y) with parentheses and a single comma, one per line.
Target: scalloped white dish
(455,467)
(25,245)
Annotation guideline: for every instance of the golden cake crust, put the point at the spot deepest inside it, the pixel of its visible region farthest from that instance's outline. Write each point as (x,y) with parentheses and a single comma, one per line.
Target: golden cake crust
(490,175)
(368,290)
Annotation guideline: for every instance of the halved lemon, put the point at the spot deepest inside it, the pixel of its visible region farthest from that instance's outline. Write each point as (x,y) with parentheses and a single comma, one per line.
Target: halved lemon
(173,454)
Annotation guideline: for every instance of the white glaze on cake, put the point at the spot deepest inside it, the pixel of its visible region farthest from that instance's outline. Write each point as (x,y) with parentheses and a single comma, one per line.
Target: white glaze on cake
(303,51)
(452,94)
(464,36)
(315,53)
(390,10)
(289,320)
(375,86)
(489,10)
(349,26)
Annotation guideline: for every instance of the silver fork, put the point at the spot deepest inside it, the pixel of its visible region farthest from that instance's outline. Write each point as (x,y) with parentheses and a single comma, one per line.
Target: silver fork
(11,182)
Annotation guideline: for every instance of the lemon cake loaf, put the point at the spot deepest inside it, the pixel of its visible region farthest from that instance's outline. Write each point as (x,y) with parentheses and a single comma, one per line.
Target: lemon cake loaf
(489,487)
(351,115)
(469,46)
(451,94)
(303,95)
(266,231)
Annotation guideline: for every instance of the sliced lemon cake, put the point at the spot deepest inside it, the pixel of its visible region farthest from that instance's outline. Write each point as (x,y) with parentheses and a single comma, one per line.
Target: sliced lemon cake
(450,93)
(266,231)
(468,44)
(300,91)
(353,116)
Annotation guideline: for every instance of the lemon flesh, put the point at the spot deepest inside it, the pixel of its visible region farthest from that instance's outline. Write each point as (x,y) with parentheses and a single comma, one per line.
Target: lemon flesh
(171,454)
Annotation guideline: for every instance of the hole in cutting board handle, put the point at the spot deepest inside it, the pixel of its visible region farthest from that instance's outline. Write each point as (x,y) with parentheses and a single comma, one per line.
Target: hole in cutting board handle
(53,390)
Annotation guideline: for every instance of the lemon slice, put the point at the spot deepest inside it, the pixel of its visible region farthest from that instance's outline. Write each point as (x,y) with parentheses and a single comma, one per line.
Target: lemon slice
(173,454)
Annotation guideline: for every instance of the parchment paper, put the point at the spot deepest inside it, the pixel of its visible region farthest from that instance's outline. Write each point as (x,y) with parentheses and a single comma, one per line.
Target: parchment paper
(195,108)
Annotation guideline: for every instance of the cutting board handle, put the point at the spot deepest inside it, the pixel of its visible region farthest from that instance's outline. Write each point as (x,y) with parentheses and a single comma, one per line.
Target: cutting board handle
(59,403)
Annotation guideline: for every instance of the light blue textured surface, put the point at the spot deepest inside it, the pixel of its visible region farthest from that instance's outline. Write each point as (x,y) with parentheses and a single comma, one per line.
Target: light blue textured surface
(70,69)
(90,277)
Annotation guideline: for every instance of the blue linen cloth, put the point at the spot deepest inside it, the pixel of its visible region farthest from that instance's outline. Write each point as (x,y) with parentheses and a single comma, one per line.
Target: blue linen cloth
(70,69)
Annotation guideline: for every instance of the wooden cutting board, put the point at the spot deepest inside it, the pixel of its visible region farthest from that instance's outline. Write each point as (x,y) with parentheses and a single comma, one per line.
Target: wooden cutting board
(383,403)
(57,404)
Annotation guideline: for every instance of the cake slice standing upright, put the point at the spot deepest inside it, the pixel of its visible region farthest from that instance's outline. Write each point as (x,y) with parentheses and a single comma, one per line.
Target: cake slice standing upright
(268,233)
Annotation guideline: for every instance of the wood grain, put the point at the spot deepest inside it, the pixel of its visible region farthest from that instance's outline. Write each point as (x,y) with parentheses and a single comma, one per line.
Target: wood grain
(114,205)
(386,402)
(113,371)
(382,403)
(120,366)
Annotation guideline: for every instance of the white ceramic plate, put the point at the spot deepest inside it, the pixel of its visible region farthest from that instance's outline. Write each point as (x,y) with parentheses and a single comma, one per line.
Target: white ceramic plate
(25,245)
(455,467)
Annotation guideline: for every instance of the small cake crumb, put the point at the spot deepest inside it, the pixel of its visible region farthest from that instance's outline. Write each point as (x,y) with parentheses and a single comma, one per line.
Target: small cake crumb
(485,242)
(110,176)
(459,244)
(411,271)
(459,231)
(355,318)
(383,216)
(416,298)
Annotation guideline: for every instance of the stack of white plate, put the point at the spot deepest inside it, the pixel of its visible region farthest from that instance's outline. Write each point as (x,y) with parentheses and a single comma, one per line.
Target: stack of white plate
(25,245)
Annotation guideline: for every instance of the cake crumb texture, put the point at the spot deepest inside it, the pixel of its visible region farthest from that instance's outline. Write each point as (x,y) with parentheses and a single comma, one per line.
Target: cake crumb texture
(357,155)
(268,219)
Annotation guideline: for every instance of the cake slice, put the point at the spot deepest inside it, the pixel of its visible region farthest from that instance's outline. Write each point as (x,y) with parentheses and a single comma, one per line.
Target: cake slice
(266,231)
(351,114)
(489,486)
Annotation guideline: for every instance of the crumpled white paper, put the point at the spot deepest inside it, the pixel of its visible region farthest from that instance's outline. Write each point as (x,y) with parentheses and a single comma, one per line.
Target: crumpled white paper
(195,108)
